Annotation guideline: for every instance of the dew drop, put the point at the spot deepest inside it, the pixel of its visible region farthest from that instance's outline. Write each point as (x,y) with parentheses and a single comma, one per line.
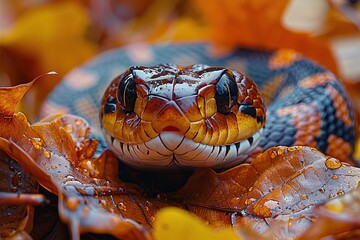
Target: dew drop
(291,149)
(304,197)
(78,122)
(122,207)
(280,151)
(314,150)
(335,177)
(332,163)
(273,154)
(53,166)
(322,190)
(103,203)
(340,192)
(69,128)
(37,143)
(72,203)
(47,154)
(247,201)
(290,223)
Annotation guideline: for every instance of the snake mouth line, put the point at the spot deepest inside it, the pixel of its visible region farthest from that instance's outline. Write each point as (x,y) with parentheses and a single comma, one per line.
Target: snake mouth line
(172,150)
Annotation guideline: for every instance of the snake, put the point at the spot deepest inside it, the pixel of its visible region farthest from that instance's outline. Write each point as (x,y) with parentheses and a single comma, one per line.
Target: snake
(171,106)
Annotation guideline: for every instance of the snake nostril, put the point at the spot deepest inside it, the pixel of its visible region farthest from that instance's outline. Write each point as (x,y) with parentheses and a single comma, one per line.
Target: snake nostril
(171,129)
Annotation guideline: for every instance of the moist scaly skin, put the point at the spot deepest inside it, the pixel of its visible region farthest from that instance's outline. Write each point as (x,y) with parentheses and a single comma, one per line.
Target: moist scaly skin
(213,106)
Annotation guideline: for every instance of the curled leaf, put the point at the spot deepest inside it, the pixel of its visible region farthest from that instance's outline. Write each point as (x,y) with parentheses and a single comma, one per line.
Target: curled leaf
(275,195)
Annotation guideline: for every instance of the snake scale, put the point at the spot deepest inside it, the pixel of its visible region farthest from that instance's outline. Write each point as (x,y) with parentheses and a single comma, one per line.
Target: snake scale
(171,115)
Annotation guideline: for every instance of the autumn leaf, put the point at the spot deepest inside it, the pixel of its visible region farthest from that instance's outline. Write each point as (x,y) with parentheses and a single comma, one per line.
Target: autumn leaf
(177,224)
(17,197)
(50,37)
(278,190)
(274,196)
(338,217)
(49,32)
(261,25)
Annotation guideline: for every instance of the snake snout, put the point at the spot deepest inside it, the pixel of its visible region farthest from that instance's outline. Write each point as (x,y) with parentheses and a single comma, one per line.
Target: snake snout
(171,118)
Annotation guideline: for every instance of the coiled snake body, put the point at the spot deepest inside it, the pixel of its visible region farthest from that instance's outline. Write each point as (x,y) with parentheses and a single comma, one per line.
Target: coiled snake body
(169,116)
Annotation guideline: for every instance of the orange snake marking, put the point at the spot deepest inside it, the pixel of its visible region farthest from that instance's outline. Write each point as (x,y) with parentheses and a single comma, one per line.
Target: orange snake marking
(283,58)
(340,104)
(306,119)
(316,80)
(338,152)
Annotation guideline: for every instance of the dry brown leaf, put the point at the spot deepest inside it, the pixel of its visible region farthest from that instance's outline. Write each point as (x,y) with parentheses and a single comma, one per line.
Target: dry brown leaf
(274,195)
(17,198)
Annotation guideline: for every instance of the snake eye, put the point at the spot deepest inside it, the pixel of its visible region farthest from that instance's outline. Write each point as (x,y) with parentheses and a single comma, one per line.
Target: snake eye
(127,92)
(226,93)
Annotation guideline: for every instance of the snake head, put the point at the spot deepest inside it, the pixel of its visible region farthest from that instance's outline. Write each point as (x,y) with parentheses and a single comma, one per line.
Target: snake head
(169,116)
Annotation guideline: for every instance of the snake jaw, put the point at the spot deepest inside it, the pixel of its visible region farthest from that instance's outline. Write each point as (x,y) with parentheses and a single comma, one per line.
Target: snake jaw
(171,150)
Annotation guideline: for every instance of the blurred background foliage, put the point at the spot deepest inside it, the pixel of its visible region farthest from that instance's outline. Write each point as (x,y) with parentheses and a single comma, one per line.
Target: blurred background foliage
(39,36)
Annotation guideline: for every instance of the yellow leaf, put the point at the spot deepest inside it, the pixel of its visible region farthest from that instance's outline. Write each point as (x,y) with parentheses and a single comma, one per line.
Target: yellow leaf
(53,34)
(177,224)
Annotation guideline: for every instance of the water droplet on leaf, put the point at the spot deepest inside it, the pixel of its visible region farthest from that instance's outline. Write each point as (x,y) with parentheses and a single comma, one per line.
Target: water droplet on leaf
(332,163)
(335,177)
(37,143)
(122,207)
(69,128)
(47,154)
(72,203)
(304,197)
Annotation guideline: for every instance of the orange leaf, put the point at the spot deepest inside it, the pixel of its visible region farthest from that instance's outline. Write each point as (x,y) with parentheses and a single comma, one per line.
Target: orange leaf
(274,195)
